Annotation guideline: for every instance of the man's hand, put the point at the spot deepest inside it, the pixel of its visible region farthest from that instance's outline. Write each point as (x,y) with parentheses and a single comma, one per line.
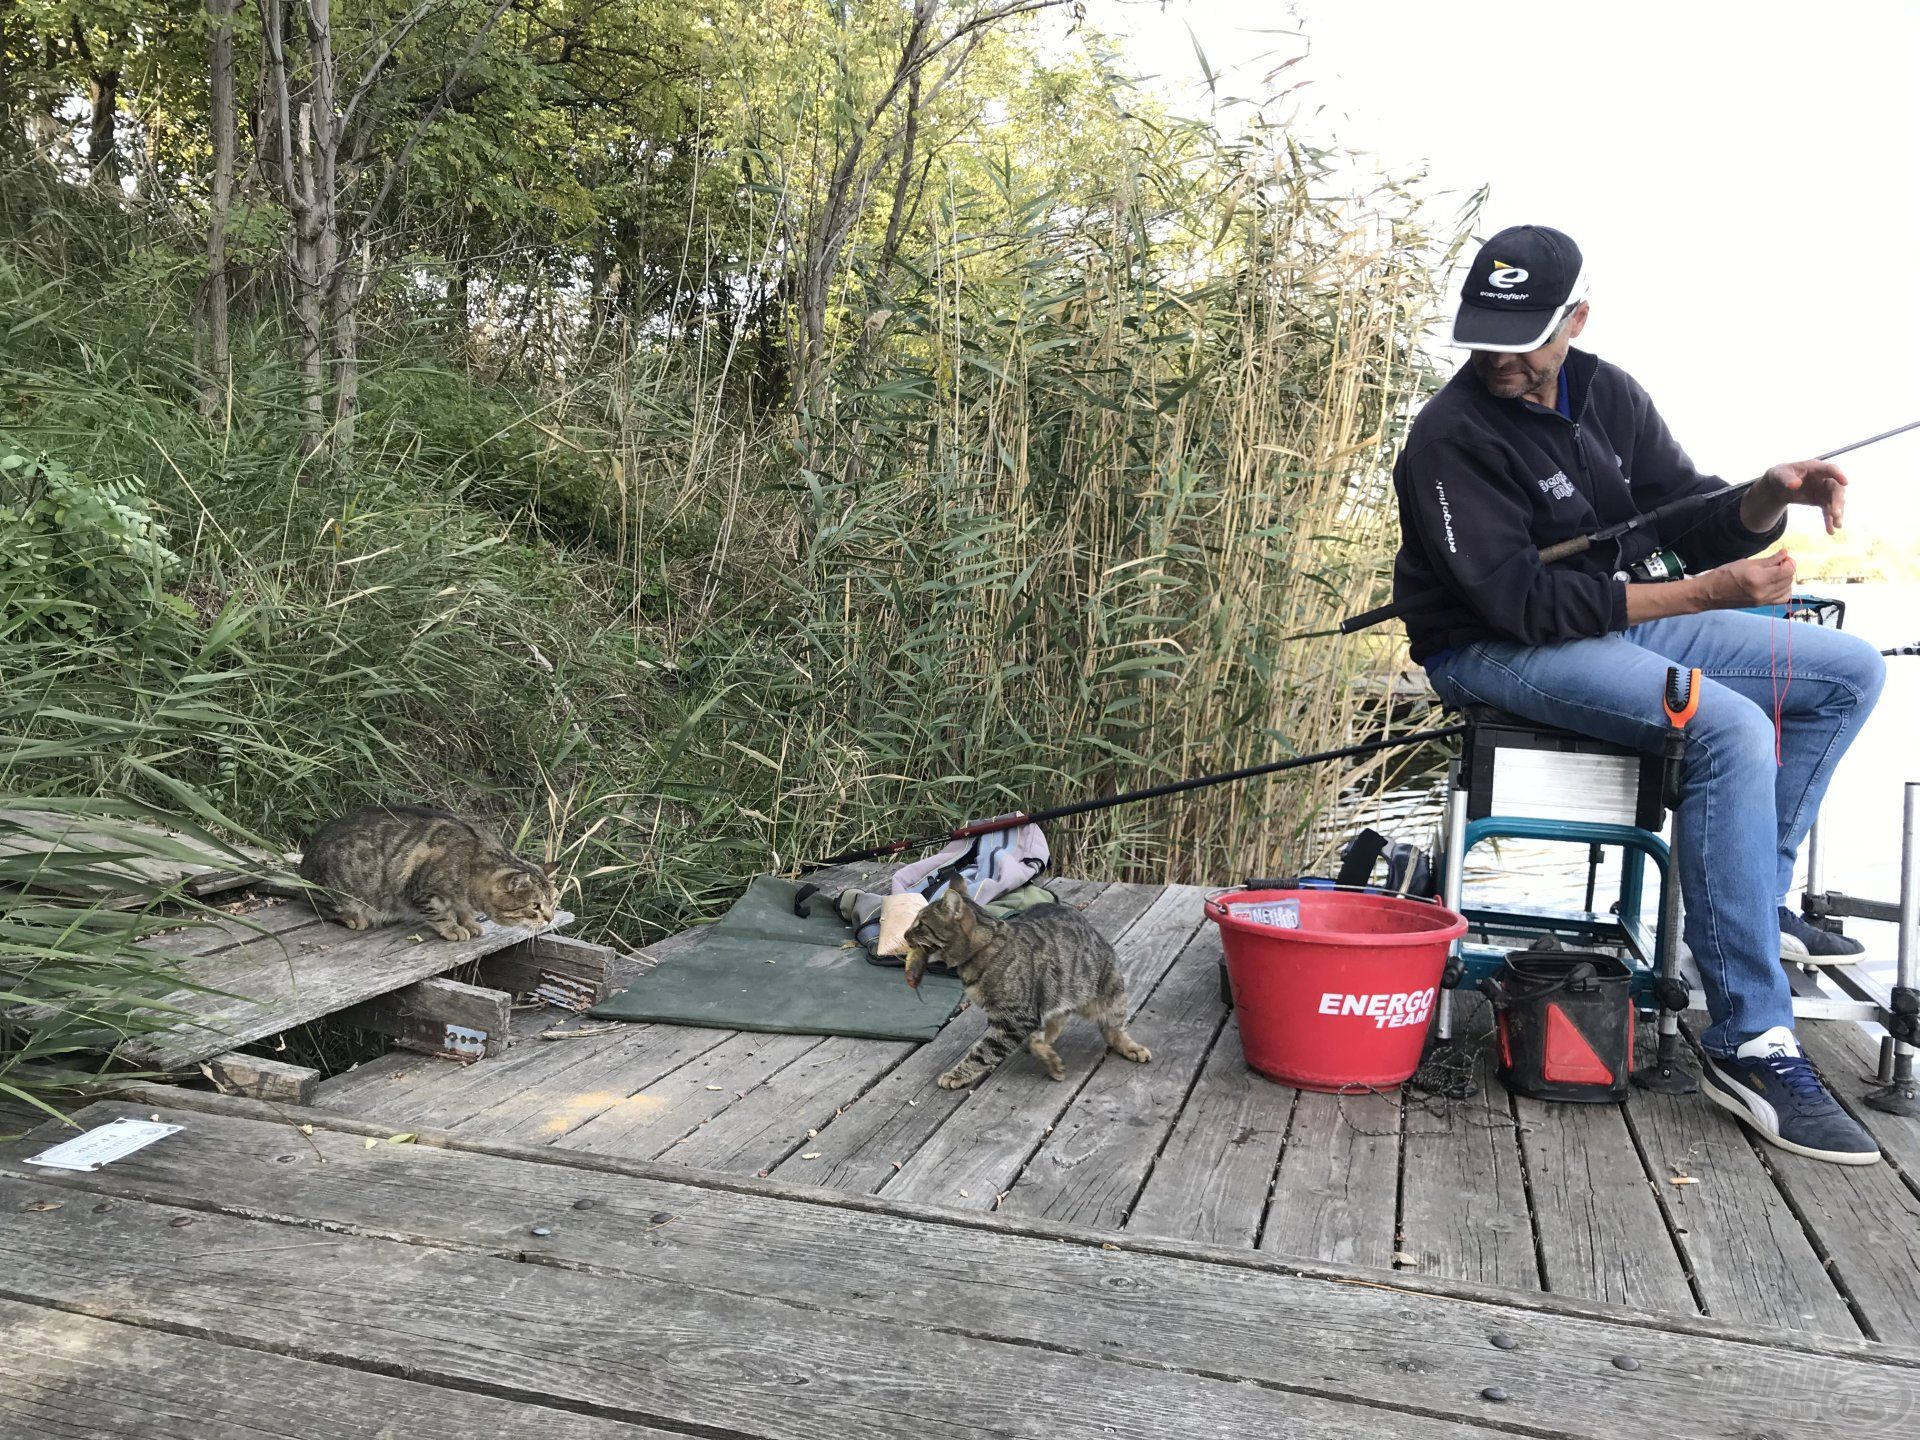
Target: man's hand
(1757,580)
(1798,482)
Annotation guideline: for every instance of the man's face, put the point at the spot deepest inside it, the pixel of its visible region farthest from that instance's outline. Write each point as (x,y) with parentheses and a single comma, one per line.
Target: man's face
(1532,373)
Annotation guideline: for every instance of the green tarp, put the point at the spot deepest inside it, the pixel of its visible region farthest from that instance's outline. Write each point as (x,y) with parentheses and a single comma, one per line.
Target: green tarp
(761,967)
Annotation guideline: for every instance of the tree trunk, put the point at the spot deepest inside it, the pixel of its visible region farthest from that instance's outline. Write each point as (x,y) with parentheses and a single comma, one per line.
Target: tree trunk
(333,299)
(220,54)
(103,94)
(459,298)
(355,278)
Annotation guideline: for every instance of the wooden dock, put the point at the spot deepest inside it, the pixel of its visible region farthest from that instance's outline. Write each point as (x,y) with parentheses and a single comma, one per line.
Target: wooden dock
(247,1277)
(1562,1200)
(659,1230)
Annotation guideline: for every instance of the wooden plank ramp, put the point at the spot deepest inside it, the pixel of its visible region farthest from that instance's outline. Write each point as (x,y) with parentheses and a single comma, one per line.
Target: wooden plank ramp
(254,974)
(583,1288)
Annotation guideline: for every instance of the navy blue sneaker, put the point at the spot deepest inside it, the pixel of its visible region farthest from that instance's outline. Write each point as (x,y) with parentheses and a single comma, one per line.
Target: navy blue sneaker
(1804,943)
(1768,1084)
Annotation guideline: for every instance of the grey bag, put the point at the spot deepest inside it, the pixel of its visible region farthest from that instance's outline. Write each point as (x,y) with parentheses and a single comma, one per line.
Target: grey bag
(995,865)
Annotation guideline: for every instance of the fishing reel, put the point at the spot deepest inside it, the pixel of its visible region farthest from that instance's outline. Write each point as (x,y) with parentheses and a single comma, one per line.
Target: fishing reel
(1654,569)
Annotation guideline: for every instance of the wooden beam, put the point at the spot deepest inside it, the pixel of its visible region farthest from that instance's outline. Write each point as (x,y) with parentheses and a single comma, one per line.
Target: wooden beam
(439,1017)
(72,1377)
(263,1079)
(569,973)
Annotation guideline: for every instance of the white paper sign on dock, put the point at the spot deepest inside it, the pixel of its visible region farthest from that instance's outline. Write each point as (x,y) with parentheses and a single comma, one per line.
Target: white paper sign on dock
(103,1146)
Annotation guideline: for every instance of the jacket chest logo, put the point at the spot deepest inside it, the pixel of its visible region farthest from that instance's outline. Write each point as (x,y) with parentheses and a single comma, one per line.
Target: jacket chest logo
(1557,486)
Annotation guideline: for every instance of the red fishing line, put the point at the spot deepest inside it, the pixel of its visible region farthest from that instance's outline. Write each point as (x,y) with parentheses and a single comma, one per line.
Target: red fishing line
(1780,687)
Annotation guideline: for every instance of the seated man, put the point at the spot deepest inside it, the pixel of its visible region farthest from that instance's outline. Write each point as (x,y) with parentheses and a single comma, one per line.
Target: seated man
(1533,443)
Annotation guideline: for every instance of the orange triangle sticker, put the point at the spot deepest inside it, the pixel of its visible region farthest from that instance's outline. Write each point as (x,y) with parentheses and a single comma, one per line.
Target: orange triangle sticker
(1569,1058)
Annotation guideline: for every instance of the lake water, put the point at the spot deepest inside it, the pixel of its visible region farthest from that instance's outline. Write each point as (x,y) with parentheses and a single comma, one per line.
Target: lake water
(1859,824)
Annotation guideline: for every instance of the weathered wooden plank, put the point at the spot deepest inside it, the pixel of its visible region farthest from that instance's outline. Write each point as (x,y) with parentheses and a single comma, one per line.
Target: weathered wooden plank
(69,1377)
(862,1148)
(106,846)
(1463,1206)
(264,1079)
(1848,1059)
(207,933)
(1864,1217)
(451,1094)
(653,1351)
(974,1156)
(1749,1256)
(1095,1162)
(272,984)
(1333,1194)
(653,1118)
(568,973)
(772,1122)
(1211,1182)
(1600,1231)
(1370,1341)
(438,1017)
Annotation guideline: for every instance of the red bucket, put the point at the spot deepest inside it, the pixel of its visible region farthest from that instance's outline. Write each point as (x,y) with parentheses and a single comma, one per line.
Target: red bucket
(1345,998)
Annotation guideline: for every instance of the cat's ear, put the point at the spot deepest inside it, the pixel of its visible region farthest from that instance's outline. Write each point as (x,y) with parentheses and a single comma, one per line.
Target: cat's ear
(550,868)
(959,887)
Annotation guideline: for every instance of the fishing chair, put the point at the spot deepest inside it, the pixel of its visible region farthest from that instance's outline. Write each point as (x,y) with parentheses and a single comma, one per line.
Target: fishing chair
(1513,779)
(1518,780)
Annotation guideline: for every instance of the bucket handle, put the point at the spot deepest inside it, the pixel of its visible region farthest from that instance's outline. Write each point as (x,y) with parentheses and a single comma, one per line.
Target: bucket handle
(1300,882)
(1582,974)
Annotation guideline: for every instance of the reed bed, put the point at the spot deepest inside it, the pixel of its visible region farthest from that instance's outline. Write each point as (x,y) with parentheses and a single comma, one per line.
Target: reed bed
(1082,465)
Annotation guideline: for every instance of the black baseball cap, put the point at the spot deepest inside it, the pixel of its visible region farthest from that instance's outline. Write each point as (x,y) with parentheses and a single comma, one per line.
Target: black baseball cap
(1519,288)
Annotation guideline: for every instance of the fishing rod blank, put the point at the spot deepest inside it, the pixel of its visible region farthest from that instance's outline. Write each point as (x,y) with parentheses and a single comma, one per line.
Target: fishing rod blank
(1580,544)
(1152,792)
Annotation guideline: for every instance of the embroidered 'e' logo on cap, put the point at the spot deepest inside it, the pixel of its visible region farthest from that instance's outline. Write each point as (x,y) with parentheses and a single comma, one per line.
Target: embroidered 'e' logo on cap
(1505,277)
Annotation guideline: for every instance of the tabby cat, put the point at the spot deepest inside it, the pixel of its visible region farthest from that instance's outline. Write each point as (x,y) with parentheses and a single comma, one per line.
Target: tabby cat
(385,862)
(1027,974)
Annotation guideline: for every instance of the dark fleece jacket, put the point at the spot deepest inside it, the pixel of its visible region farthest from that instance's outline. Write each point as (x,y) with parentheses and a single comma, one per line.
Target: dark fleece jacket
(1486,484)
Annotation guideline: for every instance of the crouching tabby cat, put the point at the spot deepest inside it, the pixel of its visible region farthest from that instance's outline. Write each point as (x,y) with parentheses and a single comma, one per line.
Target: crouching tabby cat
(385,862)
(1027,973)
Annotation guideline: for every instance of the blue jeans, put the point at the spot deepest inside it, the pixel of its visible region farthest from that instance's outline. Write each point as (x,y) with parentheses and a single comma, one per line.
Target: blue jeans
(1738,832)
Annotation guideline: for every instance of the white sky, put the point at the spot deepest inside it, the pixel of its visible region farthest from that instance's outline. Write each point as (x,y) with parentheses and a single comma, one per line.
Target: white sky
(1744,180)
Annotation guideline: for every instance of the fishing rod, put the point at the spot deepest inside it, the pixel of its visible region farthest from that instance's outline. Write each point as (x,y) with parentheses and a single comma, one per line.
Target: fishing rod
(1580,544)
(1107,802)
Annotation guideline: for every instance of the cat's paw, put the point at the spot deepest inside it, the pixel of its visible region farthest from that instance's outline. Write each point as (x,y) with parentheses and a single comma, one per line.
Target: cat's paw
(353,922)
(956,1080)
(1056,1071)
(449,929)
(1133,1050)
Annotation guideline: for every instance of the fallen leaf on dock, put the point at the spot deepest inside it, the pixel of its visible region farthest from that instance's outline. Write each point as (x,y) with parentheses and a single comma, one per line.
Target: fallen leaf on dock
(1684,1180)
(43,1205)
(713,1087)
(306,1129)
(811,1155)
(406,1137)
(371,1142)
(1401,1257)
